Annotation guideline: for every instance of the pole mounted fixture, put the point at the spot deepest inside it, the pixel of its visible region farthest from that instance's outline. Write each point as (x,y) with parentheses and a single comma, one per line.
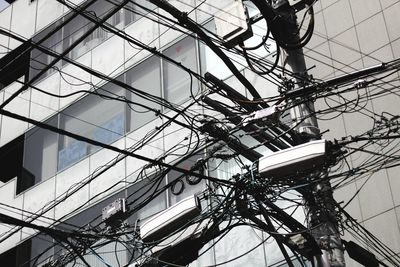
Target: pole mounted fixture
(318,197)
(233,25)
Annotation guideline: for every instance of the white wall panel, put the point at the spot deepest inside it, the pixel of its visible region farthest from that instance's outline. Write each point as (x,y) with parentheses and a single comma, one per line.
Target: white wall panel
(7,196)
(43,105)
(10,242)
(167,34)
(36,199)
(108,58)
(5,22)
(344,51)
(152,150)
(23,20)
(48,11)
(244,239)
(263,86)
(176,139)
(115,174)
(74,79)
(345,194)
(335,125)
(12,128)
(147,32)
(286,204)
(394,183)
(67,181)
(337,17)
(236,85)
(372,193)
(390,102)
(206,259)
(206,10)
(385,228)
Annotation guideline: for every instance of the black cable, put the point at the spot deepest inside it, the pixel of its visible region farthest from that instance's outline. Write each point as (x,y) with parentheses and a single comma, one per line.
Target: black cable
(262,72)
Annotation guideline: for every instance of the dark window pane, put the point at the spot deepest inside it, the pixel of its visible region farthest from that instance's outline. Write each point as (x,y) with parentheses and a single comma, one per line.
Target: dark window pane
(40,152)
(11,156)
(15,64)
(54,43)
(99,118)
(42,250)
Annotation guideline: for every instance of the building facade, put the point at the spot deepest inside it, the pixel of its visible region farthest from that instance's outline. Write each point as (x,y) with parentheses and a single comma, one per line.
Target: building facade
(69,181)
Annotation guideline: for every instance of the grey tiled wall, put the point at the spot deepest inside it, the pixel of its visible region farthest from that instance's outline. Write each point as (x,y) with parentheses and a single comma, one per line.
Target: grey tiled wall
(349,35)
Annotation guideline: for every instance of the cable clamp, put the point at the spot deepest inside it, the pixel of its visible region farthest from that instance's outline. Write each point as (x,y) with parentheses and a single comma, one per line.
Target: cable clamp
(360,84)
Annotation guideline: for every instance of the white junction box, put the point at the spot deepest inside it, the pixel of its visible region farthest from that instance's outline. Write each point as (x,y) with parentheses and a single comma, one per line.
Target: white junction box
(231,24)
(171,219)
(293,160)
(114,209)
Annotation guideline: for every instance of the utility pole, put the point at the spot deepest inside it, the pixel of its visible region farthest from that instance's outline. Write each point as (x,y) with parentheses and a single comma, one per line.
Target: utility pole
(319,201)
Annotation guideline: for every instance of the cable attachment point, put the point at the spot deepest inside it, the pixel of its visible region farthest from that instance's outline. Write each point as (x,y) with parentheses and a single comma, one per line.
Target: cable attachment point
(287,85)
(112,214)
(360,84)
(267,115)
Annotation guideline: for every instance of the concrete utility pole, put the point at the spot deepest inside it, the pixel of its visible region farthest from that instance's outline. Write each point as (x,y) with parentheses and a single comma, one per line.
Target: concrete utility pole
(319,202)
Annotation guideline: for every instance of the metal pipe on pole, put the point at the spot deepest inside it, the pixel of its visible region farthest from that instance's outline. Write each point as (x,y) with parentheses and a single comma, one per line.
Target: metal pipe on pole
(319,201)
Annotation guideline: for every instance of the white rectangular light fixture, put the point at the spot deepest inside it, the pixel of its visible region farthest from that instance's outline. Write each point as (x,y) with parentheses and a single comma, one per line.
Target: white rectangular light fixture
(171,219)
(293,160)
(192,231)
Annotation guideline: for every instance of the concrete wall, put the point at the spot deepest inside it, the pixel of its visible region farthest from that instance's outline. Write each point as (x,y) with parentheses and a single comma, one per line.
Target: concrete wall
(351,35)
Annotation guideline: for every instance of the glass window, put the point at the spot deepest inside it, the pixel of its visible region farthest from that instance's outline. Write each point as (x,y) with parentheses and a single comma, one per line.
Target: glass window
(137,9)
(72,32)
(11,159)
(141,8)
(39,59)
(176,80)
(93,117)
(80,25)
(42,250)
(100,10)
(39,152)
(129,14)
(144,77)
